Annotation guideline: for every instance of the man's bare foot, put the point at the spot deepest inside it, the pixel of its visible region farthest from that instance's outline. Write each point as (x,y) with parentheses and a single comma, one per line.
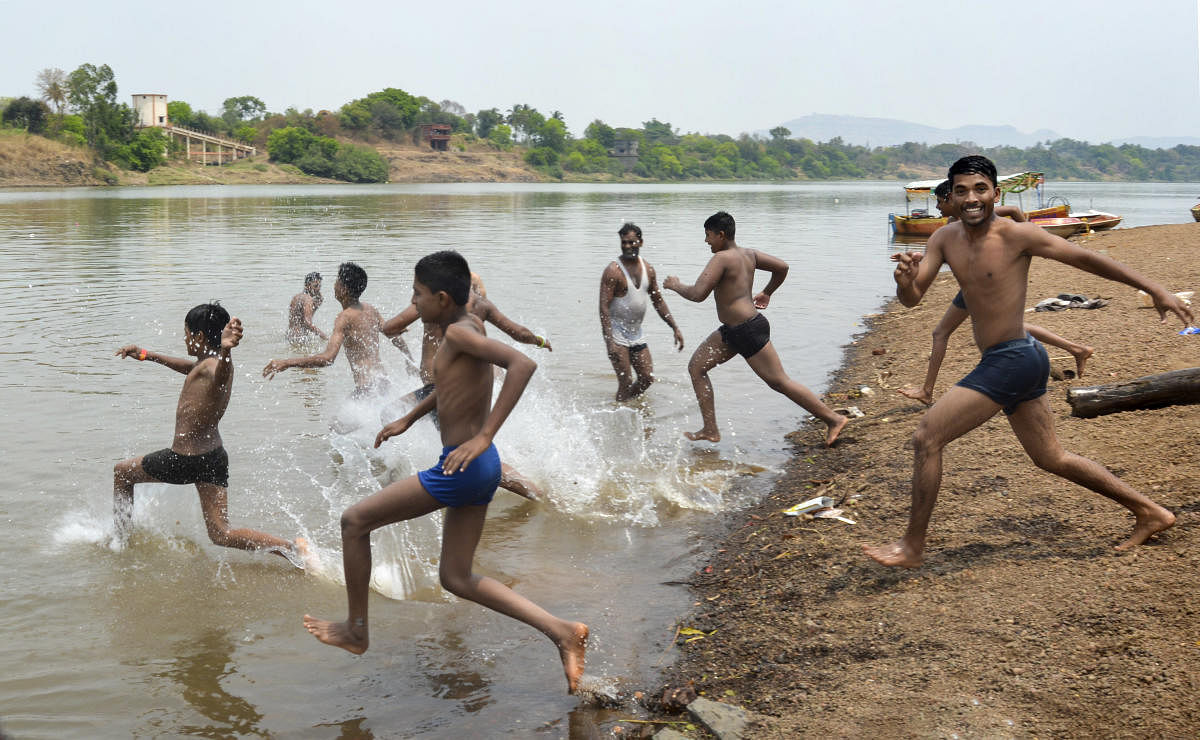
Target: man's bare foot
(339,634)
(895,555)
(1147,526)
(917,394)
(308,556)
(1081,358)
(571,649)
(835,428)
(705,435)
(511,480)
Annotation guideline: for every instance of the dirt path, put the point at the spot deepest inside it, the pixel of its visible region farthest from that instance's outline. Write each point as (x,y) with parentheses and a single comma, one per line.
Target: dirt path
(1024,622)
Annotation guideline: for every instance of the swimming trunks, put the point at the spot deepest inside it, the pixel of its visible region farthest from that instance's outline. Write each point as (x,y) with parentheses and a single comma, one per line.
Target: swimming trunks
(474,486)
(635,348)
(960,301)
(748,337)
(626,312)
(1011,373)
(169,466)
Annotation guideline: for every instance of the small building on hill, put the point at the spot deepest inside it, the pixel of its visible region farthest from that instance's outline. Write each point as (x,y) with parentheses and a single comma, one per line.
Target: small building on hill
(625,150)
(151,110)
(437,134)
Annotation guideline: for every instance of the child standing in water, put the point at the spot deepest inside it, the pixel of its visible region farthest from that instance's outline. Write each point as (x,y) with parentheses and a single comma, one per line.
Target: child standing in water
(197,454)
(729,276)
(464,478)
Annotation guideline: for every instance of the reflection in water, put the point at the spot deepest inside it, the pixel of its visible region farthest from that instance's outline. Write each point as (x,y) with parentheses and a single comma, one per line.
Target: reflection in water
(201,666)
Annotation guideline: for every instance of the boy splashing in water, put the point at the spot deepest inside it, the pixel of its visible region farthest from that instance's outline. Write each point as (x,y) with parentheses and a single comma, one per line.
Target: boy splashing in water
(464,478)
(729,276)
(197,454)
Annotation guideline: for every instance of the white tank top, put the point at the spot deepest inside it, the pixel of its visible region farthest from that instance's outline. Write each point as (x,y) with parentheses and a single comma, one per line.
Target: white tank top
(626,312)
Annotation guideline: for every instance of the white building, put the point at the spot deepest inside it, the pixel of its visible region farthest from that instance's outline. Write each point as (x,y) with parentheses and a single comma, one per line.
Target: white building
(151,110)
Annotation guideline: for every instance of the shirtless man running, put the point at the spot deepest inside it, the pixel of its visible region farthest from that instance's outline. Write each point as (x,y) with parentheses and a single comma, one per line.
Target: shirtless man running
(304,304)
(626,286)
(990,258)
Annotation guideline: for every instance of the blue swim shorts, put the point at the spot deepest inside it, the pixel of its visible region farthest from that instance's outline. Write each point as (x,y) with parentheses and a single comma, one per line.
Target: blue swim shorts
(474,486)
(1011,373)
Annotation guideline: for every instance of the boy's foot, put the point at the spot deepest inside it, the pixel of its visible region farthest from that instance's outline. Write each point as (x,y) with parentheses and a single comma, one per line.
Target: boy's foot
(511,480)
(918,394)
(338,634)
(705,435)
(307,555)
(1147,526)
(895,555)
(1081,358)
(835,428)
(571,650)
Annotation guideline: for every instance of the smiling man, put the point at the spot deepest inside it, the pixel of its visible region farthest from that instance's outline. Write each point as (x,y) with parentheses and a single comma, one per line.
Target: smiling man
(990,258)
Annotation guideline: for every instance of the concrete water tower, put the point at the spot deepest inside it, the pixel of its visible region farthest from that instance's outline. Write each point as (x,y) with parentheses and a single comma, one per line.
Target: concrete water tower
(151,110)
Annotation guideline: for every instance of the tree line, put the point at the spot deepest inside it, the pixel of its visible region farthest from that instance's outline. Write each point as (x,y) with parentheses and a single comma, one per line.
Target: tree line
(82,108)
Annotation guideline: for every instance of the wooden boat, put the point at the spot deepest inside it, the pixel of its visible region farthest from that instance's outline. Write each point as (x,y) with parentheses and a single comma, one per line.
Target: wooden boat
(1196,211)
(915,224)
(1059,211)
(1098,220)
(1063,227)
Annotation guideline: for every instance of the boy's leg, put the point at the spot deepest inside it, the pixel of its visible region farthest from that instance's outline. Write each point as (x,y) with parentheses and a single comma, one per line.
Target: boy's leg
(1081,352)
(402,500)
(765,363)
(712,352)
(957,412)
(512,480)
(643,365)
(460,536)
(126,474)
(619,357)
(1034,426)
(214,505)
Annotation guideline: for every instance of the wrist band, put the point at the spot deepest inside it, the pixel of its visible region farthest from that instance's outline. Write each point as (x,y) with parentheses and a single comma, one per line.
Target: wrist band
(142,355)
(541,340)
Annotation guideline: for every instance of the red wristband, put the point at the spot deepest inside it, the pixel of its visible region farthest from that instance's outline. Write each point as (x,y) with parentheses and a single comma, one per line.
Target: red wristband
(142,355)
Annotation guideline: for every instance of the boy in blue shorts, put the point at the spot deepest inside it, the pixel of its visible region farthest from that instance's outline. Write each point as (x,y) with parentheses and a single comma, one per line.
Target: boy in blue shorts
(465,476)
(990,258)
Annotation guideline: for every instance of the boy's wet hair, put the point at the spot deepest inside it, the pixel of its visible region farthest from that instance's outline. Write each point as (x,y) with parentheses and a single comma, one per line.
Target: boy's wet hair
(722,222)
(973,164)
(209,319)
(942,191)
(353,277)
(311,278)
(630,227)
(447,271)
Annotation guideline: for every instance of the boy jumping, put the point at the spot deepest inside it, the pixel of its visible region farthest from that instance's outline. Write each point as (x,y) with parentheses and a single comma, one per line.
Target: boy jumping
(464,478)
(197,454)
(729,276)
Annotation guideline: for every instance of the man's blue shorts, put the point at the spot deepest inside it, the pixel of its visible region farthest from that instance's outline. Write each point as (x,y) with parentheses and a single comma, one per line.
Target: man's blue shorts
(1011,373)
(471,487)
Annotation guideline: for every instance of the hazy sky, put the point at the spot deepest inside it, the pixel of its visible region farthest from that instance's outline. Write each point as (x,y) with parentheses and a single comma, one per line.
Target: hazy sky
(1094,69)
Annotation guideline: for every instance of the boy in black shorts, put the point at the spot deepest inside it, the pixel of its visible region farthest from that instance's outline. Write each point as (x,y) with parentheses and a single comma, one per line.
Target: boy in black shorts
(729,276)
(197,454)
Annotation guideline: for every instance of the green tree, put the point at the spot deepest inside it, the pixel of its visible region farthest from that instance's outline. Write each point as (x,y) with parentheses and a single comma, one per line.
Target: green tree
(552,134)
(147,150)
(359,164)
(179,113)
(501,136)
(288,144)
(599,131)
(486,120)
(92,92)
(26,113)
(780,133)
(245,108)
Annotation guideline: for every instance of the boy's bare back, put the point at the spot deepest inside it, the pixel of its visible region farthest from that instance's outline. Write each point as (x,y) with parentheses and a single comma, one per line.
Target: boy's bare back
(359,328)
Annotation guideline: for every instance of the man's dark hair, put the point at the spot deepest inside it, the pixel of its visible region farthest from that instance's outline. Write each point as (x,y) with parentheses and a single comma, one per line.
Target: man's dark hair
(629,227)
(447,271)
(942,191)
(353,277)
(721,221)
(209,319)
(973,165)
(311,277)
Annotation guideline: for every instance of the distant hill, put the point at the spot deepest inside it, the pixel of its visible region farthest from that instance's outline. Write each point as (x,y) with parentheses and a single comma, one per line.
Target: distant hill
(1159,142)
(890,132)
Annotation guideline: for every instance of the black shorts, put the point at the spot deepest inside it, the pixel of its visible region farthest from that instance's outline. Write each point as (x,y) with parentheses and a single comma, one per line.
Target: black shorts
(748,337)
(169,466)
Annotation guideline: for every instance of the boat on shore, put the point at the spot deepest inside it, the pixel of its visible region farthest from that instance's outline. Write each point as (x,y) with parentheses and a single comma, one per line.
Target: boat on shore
(1098,220)
(1196,211)
(1062,226)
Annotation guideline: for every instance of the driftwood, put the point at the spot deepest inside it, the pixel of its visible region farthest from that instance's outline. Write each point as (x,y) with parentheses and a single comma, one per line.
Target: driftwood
(1152,391)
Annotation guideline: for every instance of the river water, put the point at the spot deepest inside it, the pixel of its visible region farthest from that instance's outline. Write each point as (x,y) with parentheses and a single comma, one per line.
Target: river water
(171,635)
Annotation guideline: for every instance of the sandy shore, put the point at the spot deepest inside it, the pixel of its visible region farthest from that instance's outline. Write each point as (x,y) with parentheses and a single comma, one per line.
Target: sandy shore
(1024,622)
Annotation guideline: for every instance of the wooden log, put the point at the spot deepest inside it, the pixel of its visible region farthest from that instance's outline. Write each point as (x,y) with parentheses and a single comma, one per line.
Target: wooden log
(1150,392)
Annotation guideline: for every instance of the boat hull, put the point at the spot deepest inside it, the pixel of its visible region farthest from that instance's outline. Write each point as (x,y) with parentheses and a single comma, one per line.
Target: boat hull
(1196,212)
(1063,211)
(1063,227)
(915,226)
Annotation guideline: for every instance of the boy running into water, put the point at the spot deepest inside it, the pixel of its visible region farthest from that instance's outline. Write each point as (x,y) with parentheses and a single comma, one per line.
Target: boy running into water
(197,454)
(729,276)
(957,313)
(464,478)
(304,304)
(990,258)
(483,309)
